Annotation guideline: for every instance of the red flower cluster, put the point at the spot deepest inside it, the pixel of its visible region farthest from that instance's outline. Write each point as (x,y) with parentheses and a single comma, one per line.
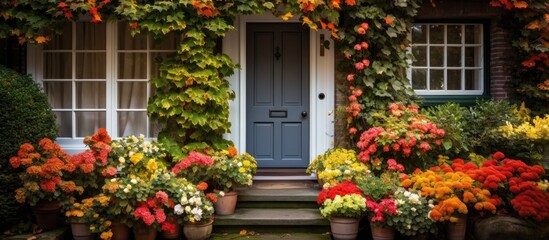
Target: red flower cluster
(401,131)
(204,9)
(193,158)
(511,181)
(202,186)
(394,166)
(341,189)
(152,210)
(381,209)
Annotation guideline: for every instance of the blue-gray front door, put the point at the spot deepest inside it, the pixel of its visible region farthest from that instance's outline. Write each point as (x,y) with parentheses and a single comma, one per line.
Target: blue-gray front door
(277,94)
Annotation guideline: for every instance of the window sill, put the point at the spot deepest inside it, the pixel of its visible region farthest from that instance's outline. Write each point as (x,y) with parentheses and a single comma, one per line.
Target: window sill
(464,100)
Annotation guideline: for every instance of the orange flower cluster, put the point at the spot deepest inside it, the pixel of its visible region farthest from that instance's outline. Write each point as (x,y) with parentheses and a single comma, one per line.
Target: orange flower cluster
(205,9)
(44,168)
(453,192)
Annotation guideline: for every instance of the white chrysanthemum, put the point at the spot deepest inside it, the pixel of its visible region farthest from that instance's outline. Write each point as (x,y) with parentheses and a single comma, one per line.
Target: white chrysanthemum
(141,136)
(239,164)
(114,180)
(178,209)
(197,214)
(183,200)
(347,172)
(130,154)
(407,194)
(414,198)
(413,209)
(122,159)
(187,209)
(134,181)
(221,193)
(126,190)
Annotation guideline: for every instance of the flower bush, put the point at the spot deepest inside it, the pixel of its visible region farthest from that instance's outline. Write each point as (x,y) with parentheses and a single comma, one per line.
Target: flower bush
(454,192)
(194,167)
(137,156)
(92,211)
(90,167)
(342,200)
(514,185)
(379,193)
(412,215)
(230,169)
(45,168)
(194,206)
(400,132)
(337,165)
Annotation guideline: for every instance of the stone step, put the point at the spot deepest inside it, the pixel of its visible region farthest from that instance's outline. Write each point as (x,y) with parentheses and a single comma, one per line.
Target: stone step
(278,198)
(272,217)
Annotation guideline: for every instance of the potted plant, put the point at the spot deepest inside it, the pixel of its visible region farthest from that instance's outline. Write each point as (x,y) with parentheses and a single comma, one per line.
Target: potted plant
(380,203)
(343,204)
(412,215)
(516,189)
(229,170)
(89,216)
(43,184)
(454,194)
(195,209)
(335,166)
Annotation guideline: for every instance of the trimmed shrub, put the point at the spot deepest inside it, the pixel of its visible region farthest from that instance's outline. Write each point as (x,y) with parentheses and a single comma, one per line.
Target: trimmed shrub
(26,116)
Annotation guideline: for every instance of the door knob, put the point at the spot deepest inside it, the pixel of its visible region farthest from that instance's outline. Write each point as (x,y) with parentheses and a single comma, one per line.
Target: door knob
(304,114)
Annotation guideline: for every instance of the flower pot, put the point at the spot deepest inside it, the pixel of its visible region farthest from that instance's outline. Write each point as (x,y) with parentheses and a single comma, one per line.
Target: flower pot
(382,233)
(197,231)
(545,159)
(227,204)
(456,231)
(175,235)
(47,214)
(81,231)
(344,228)
(120,231)
(144,233)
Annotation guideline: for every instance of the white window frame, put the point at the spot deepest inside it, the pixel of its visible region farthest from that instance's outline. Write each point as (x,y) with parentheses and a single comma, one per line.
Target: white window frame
(481,59)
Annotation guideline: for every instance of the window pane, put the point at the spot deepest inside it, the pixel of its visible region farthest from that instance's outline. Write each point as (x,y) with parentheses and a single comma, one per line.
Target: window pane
(419,33)
(454,34)
(155,128)
(132,66)
(473,34)
(91,36)
(91,66)
(436,34)
(472,57)
(436,80)
(64,120)
(87,123)
(436,56)
(132,95)
(454,79)
(61,42)
(454,56)
(132,123)
(420,53)
(472,79)
(90,95)
(127,42)
(419,79)
(168,42)
(59,94)
(57,66)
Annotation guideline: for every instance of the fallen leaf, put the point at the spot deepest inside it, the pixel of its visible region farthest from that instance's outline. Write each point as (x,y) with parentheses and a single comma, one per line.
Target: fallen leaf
(32,238)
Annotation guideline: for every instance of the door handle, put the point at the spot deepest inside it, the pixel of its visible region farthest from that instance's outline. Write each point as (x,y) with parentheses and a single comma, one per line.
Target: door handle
(277,53)
(304,114)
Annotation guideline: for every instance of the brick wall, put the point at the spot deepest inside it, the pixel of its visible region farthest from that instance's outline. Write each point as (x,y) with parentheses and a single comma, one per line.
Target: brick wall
(499,73)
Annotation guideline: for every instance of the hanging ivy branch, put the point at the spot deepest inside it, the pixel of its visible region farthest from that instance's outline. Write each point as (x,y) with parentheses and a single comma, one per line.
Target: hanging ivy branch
(528,23)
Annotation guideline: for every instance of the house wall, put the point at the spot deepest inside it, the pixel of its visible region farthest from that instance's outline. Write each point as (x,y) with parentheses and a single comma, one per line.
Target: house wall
(445,10)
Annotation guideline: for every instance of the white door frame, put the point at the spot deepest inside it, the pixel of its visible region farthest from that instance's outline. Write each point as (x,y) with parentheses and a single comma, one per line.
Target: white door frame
(322,71)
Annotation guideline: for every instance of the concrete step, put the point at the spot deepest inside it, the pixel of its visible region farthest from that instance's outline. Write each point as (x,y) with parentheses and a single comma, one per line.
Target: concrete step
(278,198)
(272,217)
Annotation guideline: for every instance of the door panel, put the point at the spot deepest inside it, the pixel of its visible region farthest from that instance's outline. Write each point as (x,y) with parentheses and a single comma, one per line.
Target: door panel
(277,83)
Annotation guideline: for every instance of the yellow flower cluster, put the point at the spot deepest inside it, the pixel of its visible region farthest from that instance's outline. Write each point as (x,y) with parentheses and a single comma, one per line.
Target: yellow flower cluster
(337,165)
(537,129)
(451,191)
(350,205)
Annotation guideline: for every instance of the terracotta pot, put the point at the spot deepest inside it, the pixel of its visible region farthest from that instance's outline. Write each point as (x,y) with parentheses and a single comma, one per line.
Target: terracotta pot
(144,233)
(81,231)
(456,231)
(120,231)
(344,228)
(175,235)
(47,214)
(197,231)
(226,205)
(382,233)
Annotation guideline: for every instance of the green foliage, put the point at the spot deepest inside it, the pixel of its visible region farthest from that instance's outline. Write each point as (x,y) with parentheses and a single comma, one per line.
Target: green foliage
(450,117)
(385,79)
(229,172)
(22,102)
(413,218)
(380,187)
